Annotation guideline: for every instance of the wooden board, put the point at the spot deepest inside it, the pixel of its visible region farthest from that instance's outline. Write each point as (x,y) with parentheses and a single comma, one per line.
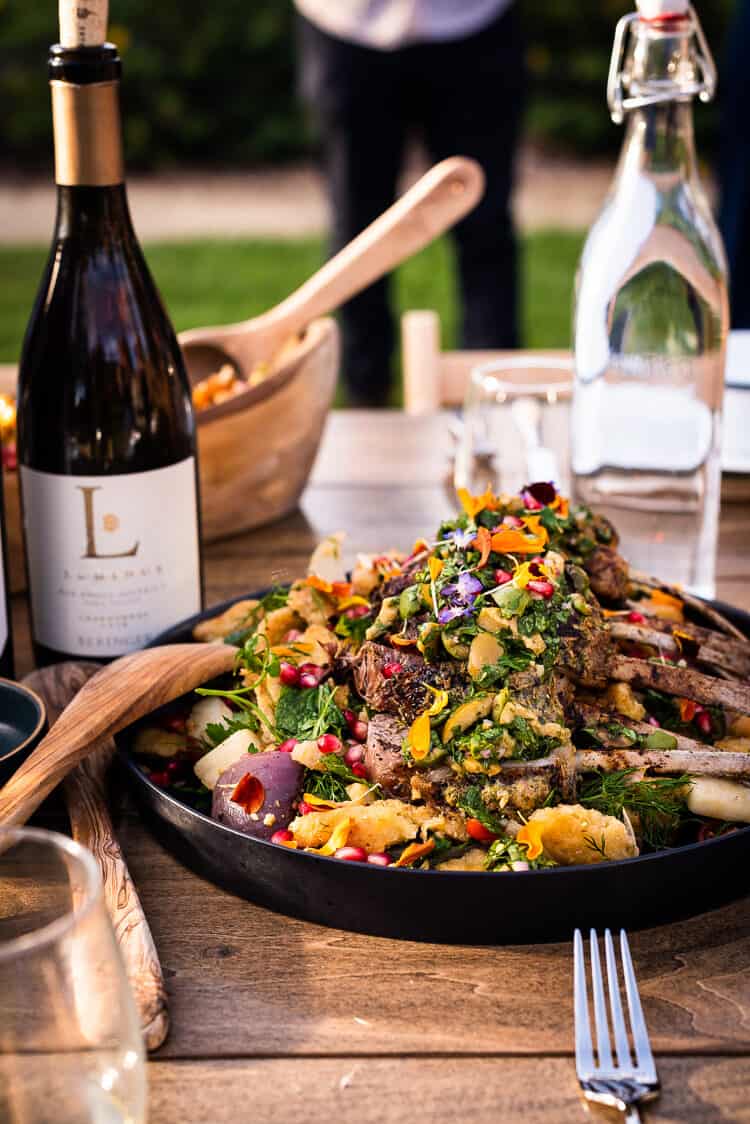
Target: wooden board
(275,1019)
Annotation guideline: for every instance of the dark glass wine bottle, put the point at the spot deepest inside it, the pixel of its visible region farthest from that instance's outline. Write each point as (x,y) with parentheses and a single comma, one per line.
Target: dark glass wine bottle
(106,433)
(6,631)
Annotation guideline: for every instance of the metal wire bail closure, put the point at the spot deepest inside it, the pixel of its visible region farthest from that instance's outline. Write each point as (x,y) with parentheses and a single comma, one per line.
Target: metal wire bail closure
(705,88)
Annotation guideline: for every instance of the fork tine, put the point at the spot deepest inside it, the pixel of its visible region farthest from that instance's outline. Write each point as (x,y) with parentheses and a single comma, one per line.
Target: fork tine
(600,1007)
(645,1059)
(584,1049)
(615,1005)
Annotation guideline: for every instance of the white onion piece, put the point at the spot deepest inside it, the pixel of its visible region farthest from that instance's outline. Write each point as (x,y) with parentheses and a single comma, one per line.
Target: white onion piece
(719,799)
(209,768)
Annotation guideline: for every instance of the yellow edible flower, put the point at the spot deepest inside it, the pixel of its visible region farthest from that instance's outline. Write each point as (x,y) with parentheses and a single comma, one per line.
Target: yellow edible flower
(531,837)
(419,736)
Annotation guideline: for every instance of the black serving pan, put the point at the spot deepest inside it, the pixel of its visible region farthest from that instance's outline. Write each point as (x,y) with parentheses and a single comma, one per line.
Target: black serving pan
(464,907)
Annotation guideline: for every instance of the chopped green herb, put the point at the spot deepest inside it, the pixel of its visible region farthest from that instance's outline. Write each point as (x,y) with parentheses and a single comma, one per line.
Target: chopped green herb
(658,803)
(306,714)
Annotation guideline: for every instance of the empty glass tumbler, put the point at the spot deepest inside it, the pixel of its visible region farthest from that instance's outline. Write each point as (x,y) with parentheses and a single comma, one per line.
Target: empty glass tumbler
(70,1042)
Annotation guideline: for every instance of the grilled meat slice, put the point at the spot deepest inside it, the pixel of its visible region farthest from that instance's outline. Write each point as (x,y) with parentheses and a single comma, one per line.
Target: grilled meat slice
(608,573)
(698,644)
(383,758)
(403,694)
(586,652)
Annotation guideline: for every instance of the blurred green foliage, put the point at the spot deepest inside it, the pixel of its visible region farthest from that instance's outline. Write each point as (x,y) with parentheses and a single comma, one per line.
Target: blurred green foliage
(216,85)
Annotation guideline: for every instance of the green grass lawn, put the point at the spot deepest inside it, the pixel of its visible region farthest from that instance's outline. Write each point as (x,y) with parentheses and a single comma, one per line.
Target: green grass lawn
(211,282)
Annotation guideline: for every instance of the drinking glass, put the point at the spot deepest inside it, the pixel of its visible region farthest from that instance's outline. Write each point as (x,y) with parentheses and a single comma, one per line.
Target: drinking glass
(515,425)
(70,1043)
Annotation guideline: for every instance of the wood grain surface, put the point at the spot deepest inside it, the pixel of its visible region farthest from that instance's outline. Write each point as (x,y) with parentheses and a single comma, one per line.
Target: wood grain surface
(274,1019)
(86,799)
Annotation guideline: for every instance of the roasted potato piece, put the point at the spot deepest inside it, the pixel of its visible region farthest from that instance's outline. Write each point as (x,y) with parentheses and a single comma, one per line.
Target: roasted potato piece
(621,696)
(571,834)
(218,627)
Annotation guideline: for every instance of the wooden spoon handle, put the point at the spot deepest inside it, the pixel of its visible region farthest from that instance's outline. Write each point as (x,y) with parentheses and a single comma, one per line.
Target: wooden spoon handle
(438,200)
(117,695)
(86,799)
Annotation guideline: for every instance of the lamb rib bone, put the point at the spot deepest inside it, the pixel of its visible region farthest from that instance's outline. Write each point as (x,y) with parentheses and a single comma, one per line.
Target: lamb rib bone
(721,653)
(594,717)
(702,607)
(681,681)
(704,762)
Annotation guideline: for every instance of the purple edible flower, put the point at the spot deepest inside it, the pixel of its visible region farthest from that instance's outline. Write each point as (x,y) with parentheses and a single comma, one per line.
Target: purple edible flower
(468,586)
(450,614)
(459,538)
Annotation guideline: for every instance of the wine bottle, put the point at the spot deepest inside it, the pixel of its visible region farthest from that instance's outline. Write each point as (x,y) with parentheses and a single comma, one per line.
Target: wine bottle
(6,635)
(106,433)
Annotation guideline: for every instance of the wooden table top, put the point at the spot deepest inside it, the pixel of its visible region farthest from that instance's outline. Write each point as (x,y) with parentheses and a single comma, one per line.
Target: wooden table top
(280,1020)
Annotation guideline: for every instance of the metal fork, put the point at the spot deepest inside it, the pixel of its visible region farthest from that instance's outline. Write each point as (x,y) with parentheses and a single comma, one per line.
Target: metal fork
(624,1083)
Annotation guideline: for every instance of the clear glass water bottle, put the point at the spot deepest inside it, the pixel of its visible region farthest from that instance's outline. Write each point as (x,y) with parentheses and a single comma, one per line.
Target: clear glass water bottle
(651,312)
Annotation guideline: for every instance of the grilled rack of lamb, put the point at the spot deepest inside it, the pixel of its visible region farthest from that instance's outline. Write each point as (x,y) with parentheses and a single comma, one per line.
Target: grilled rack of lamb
(510,695)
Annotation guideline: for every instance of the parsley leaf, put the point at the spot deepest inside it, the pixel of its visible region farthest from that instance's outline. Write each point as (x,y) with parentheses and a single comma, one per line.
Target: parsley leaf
(218,732)
(306,714)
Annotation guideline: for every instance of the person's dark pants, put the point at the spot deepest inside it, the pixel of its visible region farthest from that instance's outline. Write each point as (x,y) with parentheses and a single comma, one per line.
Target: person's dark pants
(734,163)
(465,99)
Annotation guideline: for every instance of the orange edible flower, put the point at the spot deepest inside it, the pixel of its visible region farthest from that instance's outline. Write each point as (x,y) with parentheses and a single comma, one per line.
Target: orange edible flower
(435,566)
(472,505)
(319,802)
(291,651)
(414,852)
(349,602)
(688,709)
(509,540)
(531,837)
(419,736)
(560,505)
(249,793)
(337,589)
(337,838)
(659,597)
(483,543)
(439,702)
(419,546)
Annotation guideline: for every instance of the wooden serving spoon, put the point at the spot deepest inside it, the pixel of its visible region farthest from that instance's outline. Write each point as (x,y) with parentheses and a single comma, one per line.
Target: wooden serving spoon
(438,200)
(117,695)
(86,800)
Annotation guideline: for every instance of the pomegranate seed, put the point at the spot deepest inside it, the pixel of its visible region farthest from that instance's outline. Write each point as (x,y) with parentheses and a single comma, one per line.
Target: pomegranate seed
(305,809)
(379,858)
(545,589)
(653,721)
(391,669)
(512,521)
(359,731)
(354,754)
(636,618)
(161,779)
(703,721)
(174,767)
(307,681)
(176,724)
(10,457)
(289,675)
(357,611)
(502,577)
(351,854)
(349,716)
(329,743)
(287,746)
(359,770)
(531,503)
(281,836)
(292,635)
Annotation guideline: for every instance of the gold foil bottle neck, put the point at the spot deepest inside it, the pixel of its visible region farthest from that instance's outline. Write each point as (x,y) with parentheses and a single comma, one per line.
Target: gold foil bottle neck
(88,144)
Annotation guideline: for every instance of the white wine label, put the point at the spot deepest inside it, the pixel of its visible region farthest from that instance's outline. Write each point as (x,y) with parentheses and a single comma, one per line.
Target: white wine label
(113,560)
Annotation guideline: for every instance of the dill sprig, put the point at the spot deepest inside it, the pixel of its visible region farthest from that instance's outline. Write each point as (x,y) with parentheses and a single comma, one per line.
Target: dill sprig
(657,802)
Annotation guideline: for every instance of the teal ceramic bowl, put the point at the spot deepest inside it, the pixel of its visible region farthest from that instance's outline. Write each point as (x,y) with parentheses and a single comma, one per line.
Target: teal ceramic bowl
(23,723)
